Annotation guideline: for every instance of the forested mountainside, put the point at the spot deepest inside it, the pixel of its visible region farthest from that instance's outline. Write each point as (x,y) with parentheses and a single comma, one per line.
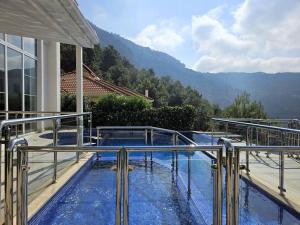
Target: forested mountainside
(279,93)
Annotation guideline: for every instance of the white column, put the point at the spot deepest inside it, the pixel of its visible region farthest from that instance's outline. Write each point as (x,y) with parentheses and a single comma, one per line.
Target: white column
(53,77)
(79,96)
(79,80)
(40,82)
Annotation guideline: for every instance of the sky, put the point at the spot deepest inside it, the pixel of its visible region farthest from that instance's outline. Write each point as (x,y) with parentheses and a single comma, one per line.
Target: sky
(208,36)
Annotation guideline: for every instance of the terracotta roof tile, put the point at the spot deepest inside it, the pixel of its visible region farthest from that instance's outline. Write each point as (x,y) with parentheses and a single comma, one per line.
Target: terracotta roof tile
(93,85)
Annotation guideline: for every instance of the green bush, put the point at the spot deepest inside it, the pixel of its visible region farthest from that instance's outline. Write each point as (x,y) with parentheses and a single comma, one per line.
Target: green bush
(68,103)
(115,110)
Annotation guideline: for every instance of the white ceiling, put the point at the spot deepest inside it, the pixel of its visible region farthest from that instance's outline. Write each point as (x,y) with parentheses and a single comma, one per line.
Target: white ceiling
(53,20)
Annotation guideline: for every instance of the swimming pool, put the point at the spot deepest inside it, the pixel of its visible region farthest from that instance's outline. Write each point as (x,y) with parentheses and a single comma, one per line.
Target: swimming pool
(156,194)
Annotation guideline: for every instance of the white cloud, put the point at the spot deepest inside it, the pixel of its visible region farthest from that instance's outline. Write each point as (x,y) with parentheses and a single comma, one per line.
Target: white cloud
(163,36)
(263,37)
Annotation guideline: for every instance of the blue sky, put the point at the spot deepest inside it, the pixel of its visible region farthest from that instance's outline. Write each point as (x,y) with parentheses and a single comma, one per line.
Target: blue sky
(208,36)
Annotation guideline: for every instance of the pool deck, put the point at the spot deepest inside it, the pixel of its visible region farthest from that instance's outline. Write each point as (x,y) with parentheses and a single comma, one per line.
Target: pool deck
(264,172)
(41,187)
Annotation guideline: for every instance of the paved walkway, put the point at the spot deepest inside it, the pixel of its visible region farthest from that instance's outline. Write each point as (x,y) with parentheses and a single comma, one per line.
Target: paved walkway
(264,172)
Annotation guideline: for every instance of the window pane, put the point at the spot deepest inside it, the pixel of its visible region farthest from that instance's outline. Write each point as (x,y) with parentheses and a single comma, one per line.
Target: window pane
(2,101)
(15,40)
(2,36)
(30,86)
(30,67)
(30,45)
(30,103)
(2,76)
(30,76)
(14,70)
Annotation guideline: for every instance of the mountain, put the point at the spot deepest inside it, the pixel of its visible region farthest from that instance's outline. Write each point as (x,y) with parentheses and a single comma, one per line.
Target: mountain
(279,93)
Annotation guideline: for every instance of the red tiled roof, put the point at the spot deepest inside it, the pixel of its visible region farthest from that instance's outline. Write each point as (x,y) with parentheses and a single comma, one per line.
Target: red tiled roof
(93,85)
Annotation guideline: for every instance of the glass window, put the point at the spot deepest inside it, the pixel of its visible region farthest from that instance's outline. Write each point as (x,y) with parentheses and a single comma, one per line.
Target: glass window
(30,45)
(2,36)
(2,75)
(30,76)
(30,86)
(15,40)
(29,67)
(30,103)
(2,102)
(14,71)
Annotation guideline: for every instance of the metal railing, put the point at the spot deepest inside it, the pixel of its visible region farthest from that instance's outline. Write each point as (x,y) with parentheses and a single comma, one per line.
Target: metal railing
(264,135)
(231,163)
(176,136)
(122,184)
(146,129)
(288,123)
(286,138)
(9,145)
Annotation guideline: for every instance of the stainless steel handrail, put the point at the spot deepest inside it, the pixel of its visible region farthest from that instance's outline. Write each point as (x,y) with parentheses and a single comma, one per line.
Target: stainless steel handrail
(9,176)
(34,112)
(122,161)
(5,123)
(144,128)
(5,136)
(232,211)
(261,120)
(228,121)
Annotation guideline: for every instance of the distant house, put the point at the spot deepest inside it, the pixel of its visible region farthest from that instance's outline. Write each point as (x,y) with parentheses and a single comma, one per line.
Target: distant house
(94,86)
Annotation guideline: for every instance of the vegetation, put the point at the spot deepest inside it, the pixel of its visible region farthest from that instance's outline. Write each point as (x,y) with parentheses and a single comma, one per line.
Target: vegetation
(243,107)
(171,98)
(113,110)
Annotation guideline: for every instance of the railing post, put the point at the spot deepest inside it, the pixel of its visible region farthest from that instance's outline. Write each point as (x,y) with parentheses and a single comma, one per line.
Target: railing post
(152,142)
(189,192)
(91,126)
(215,197)
(22,181)
(173,155)
(176,155)
(8,183)
(247,152)
(125,187)
(146,142)
(79,135)
(118,187)
(55,140)
(236,178)
(281,167)
(229,171)
(219,185)
(217,192)
(98,136)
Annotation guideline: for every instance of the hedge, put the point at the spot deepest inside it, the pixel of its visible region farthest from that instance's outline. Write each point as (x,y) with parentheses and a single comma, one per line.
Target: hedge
(176,118)
(114,110)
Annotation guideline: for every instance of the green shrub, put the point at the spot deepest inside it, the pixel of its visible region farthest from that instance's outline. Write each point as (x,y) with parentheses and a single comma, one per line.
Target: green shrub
(115,110)
(68,103)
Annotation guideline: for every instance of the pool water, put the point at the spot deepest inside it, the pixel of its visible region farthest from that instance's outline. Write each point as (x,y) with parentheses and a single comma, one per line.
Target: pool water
(156,195)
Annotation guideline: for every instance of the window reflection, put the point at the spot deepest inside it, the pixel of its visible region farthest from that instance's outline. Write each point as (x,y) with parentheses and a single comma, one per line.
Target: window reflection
(2,75)
(30,76)
(14,71)
(15,40)
(30,45)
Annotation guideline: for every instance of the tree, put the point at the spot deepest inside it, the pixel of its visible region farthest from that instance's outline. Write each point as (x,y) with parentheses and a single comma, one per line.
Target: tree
(110,57)
(244,107)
